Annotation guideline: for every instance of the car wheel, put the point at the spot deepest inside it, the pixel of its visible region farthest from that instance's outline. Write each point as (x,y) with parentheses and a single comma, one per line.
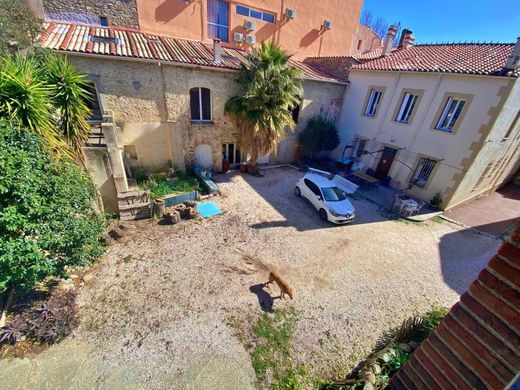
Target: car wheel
(323,215)
(297,191)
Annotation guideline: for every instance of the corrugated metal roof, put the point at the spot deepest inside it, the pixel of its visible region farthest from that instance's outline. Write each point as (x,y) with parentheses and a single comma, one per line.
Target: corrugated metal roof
(122,42)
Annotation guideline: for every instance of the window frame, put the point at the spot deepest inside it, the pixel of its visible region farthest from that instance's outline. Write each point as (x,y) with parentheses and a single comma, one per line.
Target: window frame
(250,10)
(418,171)
(406,108)
(372,104)
(367,98)
(218,25)
(312,184)
(201,120)
(446,112)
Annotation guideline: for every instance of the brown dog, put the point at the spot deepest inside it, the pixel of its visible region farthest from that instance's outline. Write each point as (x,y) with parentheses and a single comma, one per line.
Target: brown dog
(285,289)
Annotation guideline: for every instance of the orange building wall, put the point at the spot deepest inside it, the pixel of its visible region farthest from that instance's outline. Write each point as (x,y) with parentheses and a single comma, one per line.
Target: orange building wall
(301,36)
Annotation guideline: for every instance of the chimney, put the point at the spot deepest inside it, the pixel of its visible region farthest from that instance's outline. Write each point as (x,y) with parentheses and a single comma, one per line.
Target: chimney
(404,33)
(217,51)
(408,41)
(387,43)
(513,61)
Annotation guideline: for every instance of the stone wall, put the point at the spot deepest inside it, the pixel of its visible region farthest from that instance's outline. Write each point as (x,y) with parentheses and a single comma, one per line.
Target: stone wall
(118,12)
(150,105)
(337,66)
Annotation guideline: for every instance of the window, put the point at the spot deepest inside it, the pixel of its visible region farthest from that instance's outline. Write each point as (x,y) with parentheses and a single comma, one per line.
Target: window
(406,109)
(333,194)
(103,20)
(313,187)
(218,19)
(231,153)
(200,104)
(101,39)
(360,147)
(450,114)
(372,103)
(359,44)
(423,171)
(253,13)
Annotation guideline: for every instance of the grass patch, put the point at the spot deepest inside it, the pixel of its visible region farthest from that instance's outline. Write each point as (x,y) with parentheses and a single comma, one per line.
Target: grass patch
(271,355)
(161,184)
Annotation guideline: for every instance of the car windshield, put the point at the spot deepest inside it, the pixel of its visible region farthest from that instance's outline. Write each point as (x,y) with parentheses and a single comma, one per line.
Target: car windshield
(333,194)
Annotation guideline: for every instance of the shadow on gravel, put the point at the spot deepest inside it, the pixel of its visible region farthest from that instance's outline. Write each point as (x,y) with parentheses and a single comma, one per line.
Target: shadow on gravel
(265,300)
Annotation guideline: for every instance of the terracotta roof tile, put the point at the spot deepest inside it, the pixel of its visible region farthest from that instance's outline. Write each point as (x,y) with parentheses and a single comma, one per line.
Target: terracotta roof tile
(124,42)
(466,58)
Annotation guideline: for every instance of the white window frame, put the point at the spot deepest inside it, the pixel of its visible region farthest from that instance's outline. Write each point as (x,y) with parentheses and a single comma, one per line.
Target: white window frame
(373,102)
(221,25)
(200,105)
(419,174)
(446,115)
(406,110)
(249,9)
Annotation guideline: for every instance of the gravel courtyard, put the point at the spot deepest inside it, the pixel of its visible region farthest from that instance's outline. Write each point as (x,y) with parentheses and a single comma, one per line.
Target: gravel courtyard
(158,311)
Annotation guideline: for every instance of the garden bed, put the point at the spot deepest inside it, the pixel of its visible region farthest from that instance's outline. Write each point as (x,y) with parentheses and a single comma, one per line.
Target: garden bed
(162,184)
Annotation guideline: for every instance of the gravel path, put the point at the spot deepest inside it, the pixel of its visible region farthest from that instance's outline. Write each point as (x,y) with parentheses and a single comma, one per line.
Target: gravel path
(162,299)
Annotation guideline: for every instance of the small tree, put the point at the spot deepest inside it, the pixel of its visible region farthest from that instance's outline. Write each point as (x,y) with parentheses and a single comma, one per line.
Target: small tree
(46,217)
(320,135)
(271,87)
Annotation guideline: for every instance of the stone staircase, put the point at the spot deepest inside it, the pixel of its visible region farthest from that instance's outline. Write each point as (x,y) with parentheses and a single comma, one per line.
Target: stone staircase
(134,205)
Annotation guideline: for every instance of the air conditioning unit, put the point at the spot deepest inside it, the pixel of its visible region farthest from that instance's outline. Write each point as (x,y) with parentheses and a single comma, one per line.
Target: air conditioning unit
(238,37)
(250,39)
(250,25)
(290,13)
(327,25)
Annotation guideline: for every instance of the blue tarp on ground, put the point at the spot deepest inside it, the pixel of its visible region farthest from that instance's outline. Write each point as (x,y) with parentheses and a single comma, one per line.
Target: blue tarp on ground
(208,209)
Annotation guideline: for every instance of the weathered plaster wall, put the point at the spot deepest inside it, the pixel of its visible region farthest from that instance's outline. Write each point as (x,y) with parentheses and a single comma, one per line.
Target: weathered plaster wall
(150,105)
(98,162)
(419,138)
(118,12)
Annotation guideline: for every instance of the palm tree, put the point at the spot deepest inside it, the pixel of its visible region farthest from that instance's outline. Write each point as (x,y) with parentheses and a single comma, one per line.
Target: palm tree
(69,95)
(44,93)
(263,112)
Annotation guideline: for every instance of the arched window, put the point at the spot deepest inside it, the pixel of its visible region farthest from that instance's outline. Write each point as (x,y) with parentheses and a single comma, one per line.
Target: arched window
(200,104)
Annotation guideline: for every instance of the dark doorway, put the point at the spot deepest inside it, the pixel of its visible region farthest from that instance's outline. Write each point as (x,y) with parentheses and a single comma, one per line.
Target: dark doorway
(385,163)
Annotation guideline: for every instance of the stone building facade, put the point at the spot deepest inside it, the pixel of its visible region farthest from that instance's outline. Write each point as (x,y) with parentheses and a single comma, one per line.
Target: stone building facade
(90,12)
(151,107)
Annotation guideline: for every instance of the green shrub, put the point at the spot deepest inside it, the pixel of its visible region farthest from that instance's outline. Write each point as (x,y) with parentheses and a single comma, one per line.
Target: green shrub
(320,135)
(431,319)
(47,220)
(161,185)
(436,200)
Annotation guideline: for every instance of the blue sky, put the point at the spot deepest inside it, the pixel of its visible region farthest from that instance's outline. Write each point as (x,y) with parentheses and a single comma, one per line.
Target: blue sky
(455,20)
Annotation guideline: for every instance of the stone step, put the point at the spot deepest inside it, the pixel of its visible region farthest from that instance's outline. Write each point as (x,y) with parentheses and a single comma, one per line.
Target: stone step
(133,215)
(133,206)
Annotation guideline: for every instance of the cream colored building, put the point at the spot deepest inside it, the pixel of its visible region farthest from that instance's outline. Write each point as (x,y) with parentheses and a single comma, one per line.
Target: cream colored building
(436,119)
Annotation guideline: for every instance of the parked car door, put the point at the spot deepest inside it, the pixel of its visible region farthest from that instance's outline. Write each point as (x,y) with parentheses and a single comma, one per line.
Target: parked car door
(313,193)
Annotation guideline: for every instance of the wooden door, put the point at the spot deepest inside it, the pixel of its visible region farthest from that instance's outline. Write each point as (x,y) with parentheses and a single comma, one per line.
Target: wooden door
(385,163)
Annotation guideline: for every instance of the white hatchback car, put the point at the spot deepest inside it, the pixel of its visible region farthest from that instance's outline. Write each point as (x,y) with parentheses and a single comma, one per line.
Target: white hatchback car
(330,201)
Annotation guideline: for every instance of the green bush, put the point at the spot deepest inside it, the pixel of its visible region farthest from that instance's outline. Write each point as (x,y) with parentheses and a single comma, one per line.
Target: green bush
(431,319)
(436,200)
(320,135)
(46,216)
(161,185)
